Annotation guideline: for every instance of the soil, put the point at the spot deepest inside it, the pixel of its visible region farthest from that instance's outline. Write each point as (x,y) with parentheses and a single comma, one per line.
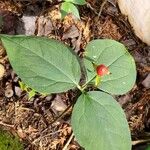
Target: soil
(43,122)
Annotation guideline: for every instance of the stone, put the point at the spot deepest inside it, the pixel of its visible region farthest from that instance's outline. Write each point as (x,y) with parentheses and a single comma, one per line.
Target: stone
(58,104)
(138,13)
(146,82)
(9,93)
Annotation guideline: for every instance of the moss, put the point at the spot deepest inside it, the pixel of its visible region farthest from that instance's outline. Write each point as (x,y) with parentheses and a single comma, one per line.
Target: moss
(148,147)
(9,142)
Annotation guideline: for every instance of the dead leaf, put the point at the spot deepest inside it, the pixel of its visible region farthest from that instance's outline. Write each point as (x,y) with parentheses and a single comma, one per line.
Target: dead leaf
(44,26)
(72,32)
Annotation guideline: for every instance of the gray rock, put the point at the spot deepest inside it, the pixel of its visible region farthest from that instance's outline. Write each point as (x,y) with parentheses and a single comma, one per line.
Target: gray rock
(146,82)
(29,24)
(18,91)
(58,104)
(9,93)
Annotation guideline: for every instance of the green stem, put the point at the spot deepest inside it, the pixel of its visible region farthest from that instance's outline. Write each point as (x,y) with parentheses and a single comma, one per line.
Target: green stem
(83,87)
(97,80)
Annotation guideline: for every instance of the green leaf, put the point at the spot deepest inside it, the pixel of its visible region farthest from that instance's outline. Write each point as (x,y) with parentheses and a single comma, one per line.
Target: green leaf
(99,123)
(78,2)
(67,8)
(45,65)
(120,63)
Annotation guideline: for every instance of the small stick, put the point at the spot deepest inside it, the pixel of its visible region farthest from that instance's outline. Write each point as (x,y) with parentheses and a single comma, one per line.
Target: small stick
(101,8)
(65,111)
(140,142)
(89,6)
(68,142)
(7,125)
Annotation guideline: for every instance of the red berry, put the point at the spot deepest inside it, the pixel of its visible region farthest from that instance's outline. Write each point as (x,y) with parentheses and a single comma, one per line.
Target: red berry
(102,70)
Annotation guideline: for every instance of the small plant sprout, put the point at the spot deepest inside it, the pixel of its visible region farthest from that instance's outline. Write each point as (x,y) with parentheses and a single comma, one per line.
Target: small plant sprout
(69,6)
(98,121)
(24,87)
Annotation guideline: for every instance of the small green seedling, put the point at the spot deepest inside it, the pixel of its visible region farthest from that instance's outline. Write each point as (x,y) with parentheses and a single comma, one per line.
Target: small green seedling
(49,66)
(24,87)
(9,142)
(68,6)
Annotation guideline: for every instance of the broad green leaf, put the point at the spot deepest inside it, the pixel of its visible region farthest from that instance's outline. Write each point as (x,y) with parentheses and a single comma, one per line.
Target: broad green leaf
(78,2)
(67,8)
(120,63)
(45,65)
(99,123)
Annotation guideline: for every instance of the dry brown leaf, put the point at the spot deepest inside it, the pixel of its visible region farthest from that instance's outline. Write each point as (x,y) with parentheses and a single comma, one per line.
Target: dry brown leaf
(87,32)
(110,30)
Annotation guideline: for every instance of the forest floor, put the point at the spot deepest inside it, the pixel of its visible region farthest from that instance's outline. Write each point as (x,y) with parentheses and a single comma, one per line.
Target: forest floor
(43,122)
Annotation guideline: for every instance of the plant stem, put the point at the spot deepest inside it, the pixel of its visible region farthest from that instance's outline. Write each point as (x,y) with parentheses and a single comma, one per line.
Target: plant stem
(68,142)
(88,82)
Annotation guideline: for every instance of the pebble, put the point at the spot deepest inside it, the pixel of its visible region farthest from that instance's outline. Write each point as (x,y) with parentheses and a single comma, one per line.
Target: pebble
(29,24)
(49,97)
(18,91)
(146,82)
(9,93)
(58,104)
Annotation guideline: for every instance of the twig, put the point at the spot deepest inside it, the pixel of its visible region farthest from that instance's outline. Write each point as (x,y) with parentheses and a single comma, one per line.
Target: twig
(61,114)
(68,142)
(47,135)
(89,6)
(7,125)
(101,8)
(140,142)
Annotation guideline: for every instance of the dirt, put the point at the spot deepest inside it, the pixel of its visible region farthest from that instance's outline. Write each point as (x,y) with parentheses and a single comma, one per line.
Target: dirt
(43,122)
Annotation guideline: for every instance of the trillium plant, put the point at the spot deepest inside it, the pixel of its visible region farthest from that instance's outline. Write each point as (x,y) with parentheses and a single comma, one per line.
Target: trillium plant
(49,66)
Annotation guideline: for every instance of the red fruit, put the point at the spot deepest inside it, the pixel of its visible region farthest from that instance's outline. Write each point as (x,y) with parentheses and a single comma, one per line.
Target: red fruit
(102,70)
